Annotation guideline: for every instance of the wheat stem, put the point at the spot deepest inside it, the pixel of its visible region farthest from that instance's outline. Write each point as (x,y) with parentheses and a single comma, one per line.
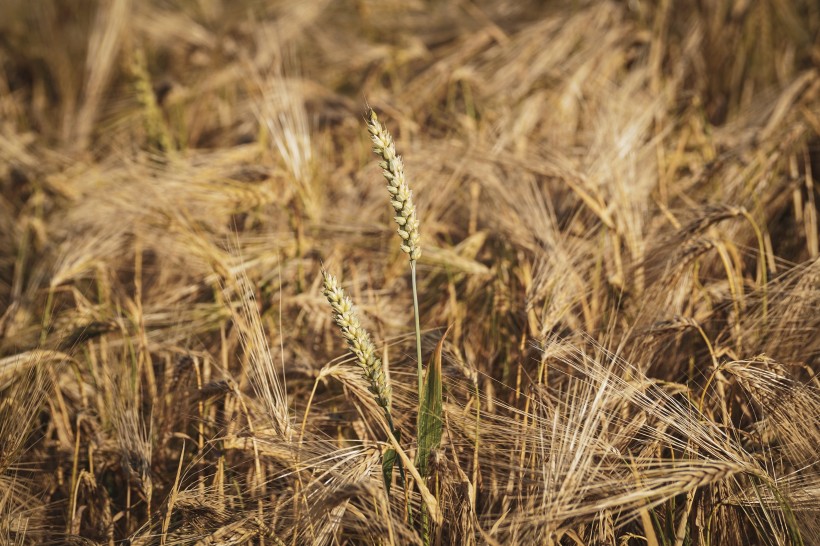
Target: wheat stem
(418,327)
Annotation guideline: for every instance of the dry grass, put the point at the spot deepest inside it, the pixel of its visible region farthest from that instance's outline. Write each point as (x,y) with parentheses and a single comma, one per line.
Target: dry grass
(619,203)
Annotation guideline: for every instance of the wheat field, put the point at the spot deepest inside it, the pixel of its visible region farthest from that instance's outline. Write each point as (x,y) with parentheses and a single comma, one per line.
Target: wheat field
(607,212)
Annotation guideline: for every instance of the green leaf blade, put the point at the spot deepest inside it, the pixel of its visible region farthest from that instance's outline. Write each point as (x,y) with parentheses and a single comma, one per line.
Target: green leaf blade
(430,411)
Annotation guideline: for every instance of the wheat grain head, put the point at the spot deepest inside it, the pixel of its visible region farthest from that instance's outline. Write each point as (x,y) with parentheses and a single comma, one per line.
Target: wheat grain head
(400,195)
(358,340)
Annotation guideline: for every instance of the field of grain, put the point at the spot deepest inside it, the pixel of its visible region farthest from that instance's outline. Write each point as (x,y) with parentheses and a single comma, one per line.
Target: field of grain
(608,212)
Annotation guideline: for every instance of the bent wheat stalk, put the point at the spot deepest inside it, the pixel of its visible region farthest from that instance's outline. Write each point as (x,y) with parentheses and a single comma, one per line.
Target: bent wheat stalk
(359,343)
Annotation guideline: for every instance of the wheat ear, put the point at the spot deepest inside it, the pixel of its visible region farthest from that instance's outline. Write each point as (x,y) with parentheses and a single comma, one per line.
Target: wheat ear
(358,340)
(402,200)
(400,195)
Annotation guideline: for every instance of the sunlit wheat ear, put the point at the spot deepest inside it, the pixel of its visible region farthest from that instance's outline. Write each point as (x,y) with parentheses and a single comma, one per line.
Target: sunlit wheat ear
(400,195)
(358,340)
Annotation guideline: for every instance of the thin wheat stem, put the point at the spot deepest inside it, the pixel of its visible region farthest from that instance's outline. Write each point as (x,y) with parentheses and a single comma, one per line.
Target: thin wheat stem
(418,327)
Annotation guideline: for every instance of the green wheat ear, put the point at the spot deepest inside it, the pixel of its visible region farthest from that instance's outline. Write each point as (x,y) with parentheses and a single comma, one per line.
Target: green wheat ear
(158,135)
(357,338)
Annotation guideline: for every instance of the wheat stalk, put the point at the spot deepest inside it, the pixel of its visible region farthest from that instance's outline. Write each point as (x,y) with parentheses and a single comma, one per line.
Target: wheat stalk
(401,198)
(358,340)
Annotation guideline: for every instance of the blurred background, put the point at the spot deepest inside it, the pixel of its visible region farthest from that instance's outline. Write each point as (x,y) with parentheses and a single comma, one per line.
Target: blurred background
(593,178)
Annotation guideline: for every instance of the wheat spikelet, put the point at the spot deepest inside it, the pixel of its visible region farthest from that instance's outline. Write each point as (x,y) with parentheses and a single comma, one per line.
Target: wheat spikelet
(400,195)
(358,340)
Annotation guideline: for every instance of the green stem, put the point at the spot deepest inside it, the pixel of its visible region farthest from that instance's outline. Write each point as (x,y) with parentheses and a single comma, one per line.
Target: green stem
(418,328)
(47,316)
